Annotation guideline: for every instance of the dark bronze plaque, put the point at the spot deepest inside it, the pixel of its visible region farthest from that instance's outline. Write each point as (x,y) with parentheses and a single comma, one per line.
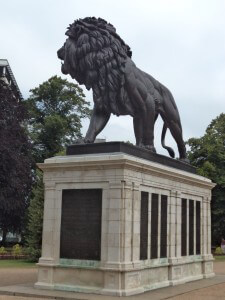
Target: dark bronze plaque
(81,224)
(198,227)
(191,227)
(154,225)
(163,235)
(144,226)
(184,227)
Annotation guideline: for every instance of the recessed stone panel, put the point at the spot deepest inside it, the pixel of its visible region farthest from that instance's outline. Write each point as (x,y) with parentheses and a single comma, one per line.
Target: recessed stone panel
(81,224)
(163,235)
(154,225)
(144,226)
(198,227)
(184,227)
(191,227)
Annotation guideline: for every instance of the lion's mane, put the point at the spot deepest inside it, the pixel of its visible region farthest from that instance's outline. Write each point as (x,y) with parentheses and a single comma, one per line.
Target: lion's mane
(96,56)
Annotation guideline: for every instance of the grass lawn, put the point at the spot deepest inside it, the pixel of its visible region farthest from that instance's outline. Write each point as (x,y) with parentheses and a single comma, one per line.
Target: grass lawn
(219,257)
(16,263)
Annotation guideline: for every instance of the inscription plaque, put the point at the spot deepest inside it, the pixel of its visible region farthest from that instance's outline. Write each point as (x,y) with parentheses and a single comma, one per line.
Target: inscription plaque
(81,224)
(191,227)
(198,227)
(144,226)
(163,235)
(184,227)
(154,225)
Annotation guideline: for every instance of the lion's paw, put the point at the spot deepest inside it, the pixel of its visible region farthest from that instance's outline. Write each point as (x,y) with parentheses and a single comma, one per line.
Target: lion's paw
(150,148)
(80,141)
(185,160)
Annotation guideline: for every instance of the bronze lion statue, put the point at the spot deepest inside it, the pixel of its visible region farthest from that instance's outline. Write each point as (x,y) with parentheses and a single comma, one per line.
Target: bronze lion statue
(96,56)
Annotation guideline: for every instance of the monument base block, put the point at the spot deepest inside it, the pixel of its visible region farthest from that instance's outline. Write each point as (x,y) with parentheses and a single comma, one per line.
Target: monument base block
(117,224)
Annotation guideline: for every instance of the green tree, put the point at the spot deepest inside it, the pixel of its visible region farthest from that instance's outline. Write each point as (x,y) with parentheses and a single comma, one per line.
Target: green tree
(208,155)
(35,219)
(15,161)
(55,109)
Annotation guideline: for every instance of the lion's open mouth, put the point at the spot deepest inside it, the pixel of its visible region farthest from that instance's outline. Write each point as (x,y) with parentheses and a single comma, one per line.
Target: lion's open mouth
(63,68)
(61,56)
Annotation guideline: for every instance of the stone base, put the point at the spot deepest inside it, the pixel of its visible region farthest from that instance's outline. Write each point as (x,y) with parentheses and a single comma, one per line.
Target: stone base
(122,283)
(130,261)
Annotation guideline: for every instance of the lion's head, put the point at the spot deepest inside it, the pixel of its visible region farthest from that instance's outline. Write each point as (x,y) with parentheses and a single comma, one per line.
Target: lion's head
(95,55)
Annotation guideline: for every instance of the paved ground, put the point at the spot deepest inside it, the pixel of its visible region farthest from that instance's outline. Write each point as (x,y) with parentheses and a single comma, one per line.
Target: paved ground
(13,276)
(21,282)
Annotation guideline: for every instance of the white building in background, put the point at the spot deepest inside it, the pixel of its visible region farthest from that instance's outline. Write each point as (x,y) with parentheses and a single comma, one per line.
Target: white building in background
(7,76)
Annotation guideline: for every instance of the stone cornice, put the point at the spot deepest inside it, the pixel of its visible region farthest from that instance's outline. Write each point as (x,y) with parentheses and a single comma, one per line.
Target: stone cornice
(122,161)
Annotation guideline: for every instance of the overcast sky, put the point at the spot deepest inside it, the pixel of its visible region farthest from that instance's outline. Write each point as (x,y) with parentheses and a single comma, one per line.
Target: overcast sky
(179,42)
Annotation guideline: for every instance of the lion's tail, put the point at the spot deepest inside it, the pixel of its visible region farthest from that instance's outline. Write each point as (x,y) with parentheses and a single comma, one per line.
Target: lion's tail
(170,150)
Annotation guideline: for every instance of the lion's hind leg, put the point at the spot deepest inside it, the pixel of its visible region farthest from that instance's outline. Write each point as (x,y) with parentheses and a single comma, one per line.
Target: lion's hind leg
(144,130)
(138,132)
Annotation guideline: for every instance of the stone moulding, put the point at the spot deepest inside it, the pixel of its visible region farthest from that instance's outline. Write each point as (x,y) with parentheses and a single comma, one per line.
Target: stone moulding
(123,161)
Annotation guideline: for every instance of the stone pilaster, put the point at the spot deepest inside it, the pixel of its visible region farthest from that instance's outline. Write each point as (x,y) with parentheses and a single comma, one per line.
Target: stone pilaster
(204,222)
(115,228)
(48,254)
(209,226)
(136,208)
(178,224)
(172,224)
(207,265)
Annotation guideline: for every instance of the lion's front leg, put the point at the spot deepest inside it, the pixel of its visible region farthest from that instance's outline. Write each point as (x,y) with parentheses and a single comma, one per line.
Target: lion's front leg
(99,119)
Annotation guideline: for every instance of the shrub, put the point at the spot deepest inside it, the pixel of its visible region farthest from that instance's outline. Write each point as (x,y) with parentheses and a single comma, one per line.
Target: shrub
(218,251)
(16,250)
(33,254)
(3,251)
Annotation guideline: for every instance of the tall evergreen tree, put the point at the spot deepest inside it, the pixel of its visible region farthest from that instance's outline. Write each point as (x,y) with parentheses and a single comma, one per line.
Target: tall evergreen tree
(208,155)
(55,108)
(15,162)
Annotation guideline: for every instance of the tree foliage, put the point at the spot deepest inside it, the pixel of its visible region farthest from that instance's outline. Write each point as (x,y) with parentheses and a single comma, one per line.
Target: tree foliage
(208,155)
(35,219)
(55,109)
(15,161)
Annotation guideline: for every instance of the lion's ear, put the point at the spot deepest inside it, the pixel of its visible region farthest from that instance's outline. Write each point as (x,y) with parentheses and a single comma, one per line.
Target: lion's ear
(68,32)
(73,31)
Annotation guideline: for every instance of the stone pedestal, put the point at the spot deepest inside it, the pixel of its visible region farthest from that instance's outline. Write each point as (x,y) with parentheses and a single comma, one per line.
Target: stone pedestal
(155,227)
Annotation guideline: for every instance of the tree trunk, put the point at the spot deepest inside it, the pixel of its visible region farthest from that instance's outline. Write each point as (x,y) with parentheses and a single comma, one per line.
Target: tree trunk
(4,233)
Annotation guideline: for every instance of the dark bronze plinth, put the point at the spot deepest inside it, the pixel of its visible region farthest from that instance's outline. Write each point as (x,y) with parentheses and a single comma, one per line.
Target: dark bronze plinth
(111,147)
